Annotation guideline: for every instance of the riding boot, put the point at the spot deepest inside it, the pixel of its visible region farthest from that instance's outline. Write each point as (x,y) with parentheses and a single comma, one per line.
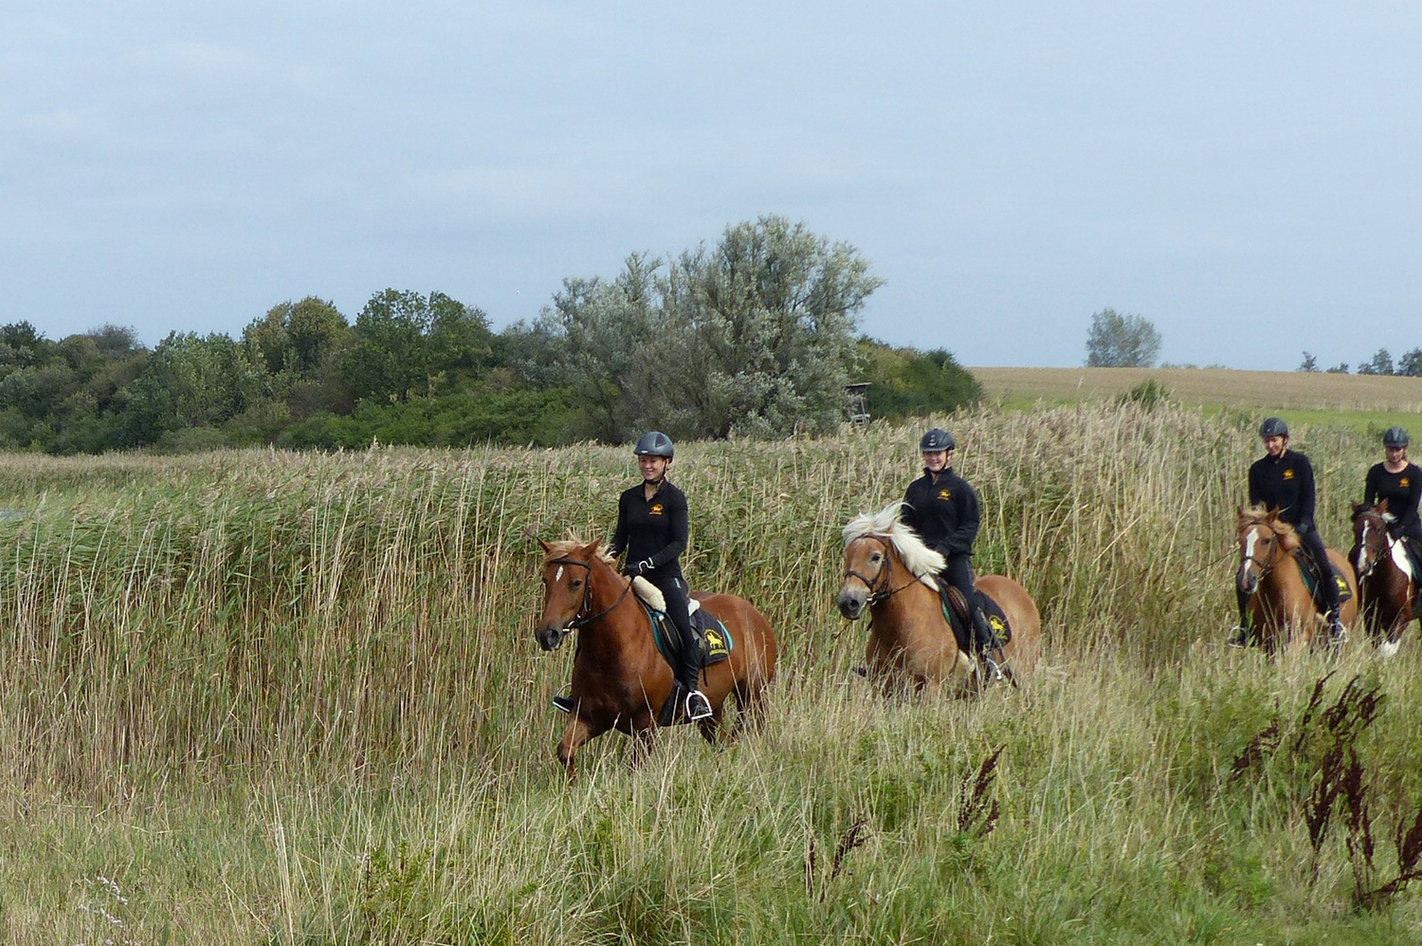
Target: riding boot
(989,647)
(1239,635)
(694,702)
(1337,633)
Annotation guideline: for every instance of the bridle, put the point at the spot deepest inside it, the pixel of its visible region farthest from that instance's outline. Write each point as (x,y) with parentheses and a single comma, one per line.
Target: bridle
(582,618)
(1374,557)
(1265,567)
(876,585)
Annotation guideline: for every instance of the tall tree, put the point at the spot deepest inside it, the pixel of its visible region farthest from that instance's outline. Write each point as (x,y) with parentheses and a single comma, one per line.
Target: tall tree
(1380,363)
(1121,341)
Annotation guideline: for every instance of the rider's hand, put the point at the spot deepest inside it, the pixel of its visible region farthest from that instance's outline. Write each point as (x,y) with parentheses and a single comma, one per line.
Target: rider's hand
(643,567)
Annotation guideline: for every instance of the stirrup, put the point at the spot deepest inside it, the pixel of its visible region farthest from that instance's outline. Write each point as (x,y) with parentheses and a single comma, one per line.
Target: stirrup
(697,706)
(1337,634)
(563,699)
(1238,637)
(989,670)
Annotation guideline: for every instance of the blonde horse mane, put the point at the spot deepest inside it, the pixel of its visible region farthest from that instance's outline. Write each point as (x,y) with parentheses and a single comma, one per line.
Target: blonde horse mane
(918,558)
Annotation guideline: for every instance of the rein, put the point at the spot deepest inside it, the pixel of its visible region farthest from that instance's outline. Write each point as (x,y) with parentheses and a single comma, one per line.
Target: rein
(580,619)
(877,593)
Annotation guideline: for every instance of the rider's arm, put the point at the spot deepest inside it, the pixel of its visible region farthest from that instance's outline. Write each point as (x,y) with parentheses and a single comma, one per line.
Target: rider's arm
(963,537)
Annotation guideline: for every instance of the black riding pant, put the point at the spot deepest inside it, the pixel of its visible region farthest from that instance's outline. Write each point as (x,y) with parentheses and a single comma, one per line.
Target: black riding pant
(673,587)
(959,573)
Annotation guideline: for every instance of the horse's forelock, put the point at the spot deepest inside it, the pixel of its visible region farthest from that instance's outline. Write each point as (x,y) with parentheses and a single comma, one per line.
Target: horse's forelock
(886,524)
(1260,516)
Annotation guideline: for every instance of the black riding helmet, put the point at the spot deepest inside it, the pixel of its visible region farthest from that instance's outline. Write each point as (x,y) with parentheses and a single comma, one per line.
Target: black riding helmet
(1273,427)
(936,439)
(654,443)
(1395,437)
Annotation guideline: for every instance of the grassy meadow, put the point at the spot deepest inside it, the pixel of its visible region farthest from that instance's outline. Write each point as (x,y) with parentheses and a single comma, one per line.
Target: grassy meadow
(258,697)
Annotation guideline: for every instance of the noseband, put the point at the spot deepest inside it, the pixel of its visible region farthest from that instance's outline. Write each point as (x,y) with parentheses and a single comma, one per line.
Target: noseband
(877,591)
(582,618)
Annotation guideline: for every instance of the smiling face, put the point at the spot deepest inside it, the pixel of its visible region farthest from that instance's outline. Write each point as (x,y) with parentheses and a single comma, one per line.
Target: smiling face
(936,461)
(653,468)
(1275,445)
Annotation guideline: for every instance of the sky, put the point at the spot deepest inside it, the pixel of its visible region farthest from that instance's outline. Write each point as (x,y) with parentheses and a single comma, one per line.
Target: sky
(1246,176)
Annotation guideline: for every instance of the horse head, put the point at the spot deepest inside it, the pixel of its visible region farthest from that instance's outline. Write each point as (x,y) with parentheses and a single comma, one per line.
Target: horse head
(1264,541)
(568,570)
(1370,534)
(881,557)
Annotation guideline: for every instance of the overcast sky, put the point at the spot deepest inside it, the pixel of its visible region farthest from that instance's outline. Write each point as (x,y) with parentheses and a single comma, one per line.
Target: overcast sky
(1248,176)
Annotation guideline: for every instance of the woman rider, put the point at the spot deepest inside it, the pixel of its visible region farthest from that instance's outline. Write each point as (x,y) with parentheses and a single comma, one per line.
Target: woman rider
(1283,479)
(943,509)
(653,527)
(1400,483)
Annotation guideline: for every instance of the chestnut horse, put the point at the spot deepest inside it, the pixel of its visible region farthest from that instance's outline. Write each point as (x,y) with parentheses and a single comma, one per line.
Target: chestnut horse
(888,569)
(1385,577)
(1281,608)
(620,680)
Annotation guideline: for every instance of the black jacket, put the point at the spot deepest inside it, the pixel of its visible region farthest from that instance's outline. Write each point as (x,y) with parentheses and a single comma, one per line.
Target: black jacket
(1285,483)
(657,528)
(1402,491)
(943,509)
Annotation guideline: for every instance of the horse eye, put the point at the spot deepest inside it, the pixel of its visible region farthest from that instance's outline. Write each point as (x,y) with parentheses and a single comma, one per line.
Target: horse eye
(575,583)
(877,557)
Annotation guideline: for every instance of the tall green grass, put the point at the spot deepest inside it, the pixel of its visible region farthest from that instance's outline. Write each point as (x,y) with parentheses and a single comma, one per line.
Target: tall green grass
(265,697)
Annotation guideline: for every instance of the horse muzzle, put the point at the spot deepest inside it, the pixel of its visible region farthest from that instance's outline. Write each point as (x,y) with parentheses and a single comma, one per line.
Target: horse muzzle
(550,637)
(1247,581)
(851,602)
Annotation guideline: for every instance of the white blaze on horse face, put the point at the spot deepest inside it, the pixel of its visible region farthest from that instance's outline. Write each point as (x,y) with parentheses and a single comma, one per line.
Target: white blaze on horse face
(1360,564)
(558,575)
(1249,539)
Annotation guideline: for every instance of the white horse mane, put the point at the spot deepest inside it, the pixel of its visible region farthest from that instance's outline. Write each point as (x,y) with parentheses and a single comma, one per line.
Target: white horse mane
(885,524)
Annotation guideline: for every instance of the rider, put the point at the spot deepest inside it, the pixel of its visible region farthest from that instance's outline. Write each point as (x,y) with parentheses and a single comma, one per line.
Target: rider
(652,527)
(943,509)
(1400,483)
(1283,479)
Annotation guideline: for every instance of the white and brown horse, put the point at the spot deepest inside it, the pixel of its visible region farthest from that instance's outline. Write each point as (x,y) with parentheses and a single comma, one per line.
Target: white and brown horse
(891,573)
(1385,577)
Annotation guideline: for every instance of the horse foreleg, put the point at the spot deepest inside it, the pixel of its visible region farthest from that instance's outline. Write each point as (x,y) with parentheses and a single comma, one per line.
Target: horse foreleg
(644,741)
(1394,632)
(576,736)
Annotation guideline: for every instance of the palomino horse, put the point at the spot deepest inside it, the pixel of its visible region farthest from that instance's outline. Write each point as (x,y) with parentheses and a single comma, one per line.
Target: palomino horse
(1281,608)
(1385,580)
(888,569)
(620,680)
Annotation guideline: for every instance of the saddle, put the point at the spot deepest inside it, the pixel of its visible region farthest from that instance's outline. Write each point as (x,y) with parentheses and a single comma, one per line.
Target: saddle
(960,617)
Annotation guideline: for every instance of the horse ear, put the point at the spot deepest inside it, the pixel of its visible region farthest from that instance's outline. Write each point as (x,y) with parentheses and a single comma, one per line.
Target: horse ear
(1357,508)
(1381,508)
(547,546)
(590,550)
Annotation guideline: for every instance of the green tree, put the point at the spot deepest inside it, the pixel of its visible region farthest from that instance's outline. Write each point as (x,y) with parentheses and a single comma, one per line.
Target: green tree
(297,338)
(1381,363)
(192,381)
(906,382)
(1410,363)
(1121,341)
(1309,363)
(405,344)
(753,336)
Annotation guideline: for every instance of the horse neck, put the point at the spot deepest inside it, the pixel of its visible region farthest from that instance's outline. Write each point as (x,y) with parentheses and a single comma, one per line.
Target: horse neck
(624,632)
(914,602)
(1284,574)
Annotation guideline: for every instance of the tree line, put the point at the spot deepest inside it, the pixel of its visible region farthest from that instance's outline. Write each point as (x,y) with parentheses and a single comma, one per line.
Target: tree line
(754,335)
(1408,365)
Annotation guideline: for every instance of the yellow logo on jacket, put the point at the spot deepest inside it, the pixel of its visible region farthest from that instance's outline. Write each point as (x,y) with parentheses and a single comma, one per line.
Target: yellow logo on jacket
(656,509)
(1288,474)
(945,494)
(1403,482)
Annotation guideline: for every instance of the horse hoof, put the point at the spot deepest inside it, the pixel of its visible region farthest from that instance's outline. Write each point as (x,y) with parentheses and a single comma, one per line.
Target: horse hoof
(862,672)
(1387,649)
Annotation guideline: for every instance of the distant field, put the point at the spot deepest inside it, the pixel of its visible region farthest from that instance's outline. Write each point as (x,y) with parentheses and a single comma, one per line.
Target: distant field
(1209,387)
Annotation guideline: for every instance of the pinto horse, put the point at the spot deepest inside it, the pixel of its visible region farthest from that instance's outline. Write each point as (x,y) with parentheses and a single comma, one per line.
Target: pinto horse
(1281,607)
(1385,578)
(620,679)
(889,570)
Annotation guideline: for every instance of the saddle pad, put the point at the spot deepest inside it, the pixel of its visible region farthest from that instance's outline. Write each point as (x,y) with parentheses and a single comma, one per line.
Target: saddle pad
(960,620)
(716,642)
(1310,578)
